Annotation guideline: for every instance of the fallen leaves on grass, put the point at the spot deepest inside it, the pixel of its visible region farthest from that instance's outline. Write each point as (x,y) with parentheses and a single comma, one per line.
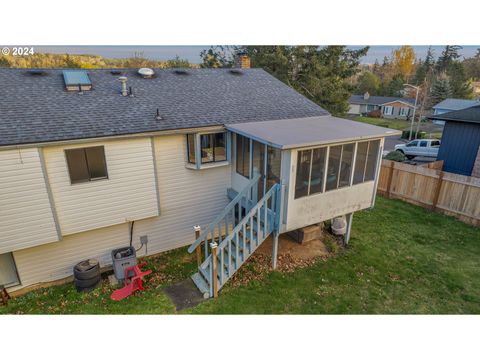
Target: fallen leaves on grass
(259,266)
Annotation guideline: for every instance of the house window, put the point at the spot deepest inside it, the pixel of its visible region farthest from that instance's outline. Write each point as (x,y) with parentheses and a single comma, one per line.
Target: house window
(366,161)
(8,270)
(191,148)
(310,172)
(86,164)
(212,147)
(388,110)
(206,149)
(243,156)
(403,111)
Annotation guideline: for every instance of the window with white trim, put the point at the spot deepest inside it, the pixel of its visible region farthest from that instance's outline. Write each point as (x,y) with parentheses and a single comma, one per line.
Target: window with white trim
(403,111)
(388,110)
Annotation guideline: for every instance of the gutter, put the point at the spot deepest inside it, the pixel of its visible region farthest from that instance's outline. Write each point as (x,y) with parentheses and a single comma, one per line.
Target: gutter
(112,137)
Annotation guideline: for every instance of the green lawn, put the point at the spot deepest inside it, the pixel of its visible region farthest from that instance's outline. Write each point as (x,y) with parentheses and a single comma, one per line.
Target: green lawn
(388,123)
(401,259)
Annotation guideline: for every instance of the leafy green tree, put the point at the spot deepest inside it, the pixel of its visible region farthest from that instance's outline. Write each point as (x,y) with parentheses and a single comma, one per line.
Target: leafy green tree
(396,86)
(368,82)
(217,57)
(4,63)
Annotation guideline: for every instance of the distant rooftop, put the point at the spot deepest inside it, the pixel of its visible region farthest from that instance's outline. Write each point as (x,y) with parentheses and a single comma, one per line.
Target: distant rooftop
(455,104)
(378,100)
(471,115)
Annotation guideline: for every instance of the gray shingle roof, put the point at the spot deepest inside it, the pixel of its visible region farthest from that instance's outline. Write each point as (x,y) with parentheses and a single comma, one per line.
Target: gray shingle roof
(378,100)
(471,114)
(37,108)
(455,104)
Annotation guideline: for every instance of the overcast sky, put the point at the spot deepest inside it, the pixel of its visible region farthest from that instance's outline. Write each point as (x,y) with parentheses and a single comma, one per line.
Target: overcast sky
(192,53)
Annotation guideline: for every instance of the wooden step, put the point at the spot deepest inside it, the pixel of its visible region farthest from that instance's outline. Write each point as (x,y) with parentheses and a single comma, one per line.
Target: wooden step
(200,283)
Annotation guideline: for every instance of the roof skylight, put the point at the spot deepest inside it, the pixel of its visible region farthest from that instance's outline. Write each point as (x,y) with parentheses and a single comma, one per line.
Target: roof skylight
(76,80)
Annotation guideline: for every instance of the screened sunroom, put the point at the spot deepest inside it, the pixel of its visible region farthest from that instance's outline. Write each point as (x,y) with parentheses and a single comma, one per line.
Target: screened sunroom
(329,166)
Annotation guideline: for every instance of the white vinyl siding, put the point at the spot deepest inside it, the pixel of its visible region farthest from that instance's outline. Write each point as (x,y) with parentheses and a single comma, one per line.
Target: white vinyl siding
(187,198)
(26,217)
(129,193)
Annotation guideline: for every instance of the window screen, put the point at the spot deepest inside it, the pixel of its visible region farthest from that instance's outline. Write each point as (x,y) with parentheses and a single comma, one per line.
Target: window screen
(86,164)
(303,173)
(372,160)
(243,156)
(318,169)
(346,165)
(333,167)
(360,162)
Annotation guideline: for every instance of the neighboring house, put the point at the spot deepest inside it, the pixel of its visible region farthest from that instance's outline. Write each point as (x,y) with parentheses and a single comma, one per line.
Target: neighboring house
(84,154)
(460,147)
(389,107)
(448,105)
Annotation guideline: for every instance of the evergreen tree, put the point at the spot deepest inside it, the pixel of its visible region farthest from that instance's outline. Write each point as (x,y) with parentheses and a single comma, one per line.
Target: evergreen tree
(321,74)
(396,87)
(449,55)
(425,69)
(440,90)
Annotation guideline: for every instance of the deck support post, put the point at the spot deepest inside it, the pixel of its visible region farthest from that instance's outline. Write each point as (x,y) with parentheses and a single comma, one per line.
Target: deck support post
(349,227)
(198,250)
(213,247)
(274,250)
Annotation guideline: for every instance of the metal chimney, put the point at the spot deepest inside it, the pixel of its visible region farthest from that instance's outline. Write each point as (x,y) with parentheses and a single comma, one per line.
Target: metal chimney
(123,80)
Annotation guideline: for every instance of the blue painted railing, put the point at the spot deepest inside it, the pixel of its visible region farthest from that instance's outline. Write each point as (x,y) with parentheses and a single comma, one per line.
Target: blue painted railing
(261,220)
(229,217)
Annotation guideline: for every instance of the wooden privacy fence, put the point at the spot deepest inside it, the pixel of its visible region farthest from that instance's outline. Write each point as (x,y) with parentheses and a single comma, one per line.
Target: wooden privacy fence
(430,187)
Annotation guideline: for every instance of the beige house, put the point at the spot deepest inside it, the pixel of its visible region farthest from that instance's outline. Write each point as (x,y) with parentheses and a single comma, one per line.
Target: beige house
(83,155)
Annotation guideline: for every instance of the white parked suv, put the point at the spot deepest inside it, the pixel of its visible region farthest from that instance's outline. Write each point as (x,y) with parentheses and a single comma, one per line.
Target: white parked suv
(419,147)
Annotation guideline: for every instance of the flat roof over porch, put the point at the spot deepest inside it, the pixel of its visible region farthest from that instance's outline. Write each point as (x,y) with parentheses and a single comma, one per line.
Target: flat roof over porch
(309,131)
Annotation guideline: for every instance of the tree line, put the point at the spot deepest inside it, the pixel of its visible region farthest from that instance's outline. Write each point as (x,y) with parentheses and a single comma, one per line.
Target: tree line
(40,60)
(448,76)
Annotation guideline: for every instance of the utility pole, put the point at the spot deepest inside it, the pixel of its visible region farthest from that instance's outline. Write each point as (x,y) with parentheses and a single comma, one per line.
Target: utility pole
(415,108)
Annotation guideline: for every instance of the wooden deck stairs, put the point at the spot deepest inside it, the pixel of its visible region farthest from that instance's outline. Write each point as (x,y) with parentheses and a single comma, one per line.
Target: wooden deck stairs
(227,243)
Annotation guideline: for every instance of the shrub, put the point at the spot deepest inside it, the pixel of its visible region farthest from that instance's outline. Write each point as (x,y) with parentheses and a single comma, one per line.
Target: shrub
(375,114)
(395,156)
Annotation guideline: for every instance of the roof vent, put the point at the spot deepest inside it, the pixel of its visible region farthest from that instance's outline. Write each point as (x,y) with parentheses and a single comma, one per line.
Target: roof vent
(236,72)
(146,72)
(181,72)
(36,72)
(76,80)
(123,80)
